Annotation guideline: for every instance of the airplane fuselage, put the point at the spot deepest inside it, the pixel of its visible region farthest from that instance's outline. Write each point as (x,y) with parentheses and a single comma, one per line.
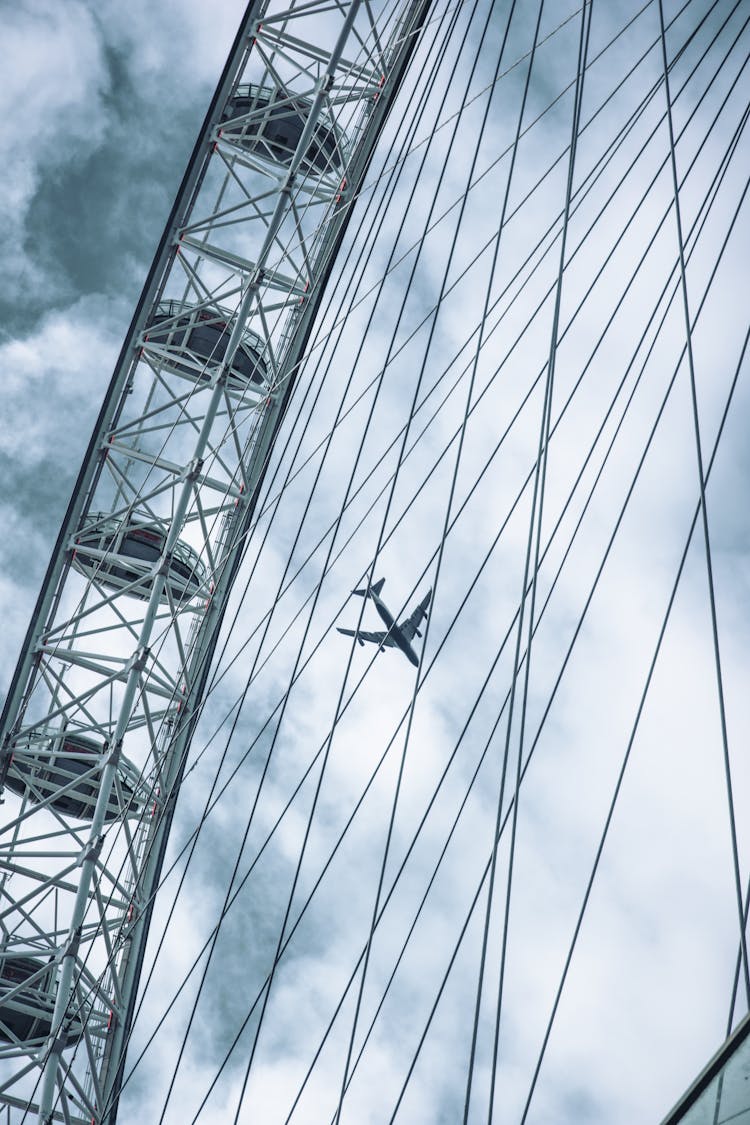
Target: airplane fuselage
(394,633)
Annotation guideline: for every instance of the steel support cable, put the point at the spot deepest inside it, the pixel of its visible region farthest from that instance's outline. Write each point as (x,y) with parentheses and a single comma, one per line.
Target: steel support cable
(648,97)
(549,107)
(476,702)
(631,740)
(362,265)
(576,633)
(449,505)
(669,391)
(714,271)
(537,493)
(321,775)
(300,654)
(559,571)
(704,521)
(704,17)
(583,47)
(270,752)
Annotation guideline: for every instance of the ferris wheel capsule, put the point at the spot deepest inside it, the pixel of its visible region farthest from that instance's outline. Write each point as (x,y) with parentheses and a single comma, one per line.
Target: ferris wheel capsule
(61,772)
(271,124)
(192,341)
(121,555)
(27,1002)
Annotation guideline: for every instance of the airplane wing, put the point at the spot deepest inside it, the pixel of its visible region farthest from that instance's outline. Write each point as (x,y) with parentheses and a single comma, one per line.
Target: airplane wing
(374,638)
(410,628)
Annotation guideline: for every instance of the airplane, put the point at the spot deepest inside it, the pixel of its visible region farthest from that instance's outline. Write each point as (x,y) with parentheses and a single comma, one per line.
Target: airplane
(398,636)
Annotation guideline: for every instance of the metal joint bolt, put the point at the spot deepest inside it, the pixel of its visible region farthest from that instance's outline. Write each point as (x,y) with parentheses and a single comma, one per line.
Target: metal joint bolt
(70,949)
(195,467)
(115,753)
(91,850)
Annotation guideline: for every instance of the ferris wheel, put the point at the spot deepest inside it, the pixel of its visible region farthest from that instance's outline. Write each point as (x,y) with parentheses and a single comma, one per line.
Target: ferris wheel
(449,312)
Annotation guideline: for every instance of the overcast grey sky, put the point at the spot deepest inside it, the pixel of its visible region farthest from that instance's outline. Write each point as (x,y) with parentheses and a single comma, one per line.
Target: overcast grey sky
(101,106)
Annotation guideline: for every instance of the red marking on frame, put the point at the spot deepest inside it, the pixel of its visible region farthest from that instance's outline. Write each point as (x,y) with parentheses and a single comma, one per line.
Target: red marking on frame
(109,1020)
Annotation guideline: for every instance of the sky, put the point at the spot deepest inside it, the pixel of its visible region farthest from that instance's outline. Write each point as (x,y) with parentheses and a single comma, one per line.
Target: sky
(103,105)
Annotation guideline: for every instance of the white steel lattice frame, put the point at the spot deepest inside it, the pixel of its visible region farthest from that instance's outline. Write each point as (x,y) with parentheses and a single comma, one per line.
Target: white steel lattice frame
(100,713)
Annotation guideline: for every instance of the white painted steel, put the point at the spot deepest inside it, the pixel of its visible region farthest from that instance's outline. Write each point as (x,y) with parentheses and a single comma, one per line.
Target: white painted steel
(119,647)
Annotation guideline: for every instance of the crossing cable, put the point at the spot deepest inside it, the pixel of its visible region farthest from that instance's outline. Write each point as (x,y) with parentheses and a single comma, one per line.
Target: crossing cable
(398,167)
(638,63)
(368,785)
(566,659)
(497,657)
(704,521)
(449,506)
(268,758)
(609,155)
(631,740)
(380,538)
(545,410)
(546,602)
(583,47)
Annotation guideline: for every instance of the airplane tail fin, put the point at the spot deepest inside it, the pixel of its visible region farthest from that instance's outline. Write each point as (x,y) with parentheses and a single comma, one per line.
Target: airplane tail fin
(374,589)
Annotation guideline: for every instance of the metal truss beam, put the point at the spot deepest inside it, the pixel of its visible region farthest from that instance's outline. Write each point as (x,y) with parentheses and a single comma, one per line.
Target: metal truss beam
(103,705)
